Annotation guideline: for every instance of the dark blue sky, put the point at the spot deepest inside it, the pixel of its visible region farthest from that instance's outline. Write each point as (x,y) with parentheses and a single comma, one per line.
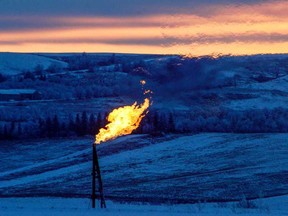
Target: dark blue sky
(108,7)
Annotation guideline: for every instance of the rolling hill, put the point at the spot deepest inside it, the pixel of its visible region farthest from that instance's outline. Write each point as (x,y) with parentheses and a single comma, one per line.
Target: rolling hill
(15,63)
(176,169)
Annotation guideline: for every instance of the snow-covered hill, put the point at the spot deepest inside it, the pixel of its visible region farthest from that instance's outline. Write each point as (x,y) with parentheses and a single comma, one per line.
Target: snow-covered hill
(15,63)
(277,84)
(200,167)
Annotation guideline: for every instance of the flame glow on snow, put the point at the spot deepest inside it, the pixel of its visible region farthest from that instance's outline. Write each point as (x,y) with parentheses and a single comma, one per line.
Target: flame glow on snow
(123,121)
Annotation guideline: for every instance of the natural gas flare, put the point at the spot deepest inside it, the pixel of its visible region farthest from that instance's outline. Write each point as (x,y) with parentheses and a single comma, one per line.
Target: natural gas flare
(122,121)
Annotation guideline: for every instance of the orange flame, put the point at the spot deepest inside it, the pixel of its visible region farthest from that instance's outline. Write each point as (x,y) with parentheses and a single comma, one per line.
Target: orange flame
(122,121)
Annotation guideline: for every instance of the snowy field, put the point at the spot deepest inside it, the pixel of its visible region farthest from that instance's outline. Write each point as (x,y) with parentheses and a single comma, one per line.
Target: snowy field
(210,167)
(15,63)
(59,206)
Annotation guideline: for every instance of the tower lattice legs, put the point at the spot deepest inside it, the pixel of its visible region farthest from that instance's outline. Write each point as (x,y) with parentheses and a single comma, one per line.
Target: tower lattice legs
(97,181)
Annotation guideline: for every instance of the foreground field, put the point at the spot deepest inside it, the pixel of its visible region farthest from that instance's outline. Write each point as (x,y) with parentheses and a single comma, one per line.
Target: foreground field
(71,207)
(209,167)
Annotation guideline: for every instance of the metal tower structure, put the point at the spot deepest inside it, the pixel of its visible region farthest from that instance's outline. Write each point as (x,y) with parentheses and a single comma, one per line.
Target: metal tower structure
(97,186)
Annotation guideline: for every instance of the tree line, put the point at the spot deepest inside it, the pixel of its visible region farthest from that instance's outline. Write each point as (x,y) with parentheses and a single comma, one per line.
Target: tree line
(156,123)
(80,125)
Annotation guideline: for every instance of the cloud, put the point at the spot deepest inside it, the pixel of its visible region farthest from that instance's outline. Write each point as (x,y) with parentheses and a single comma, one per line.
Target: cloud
(18,23)
(16,16)
(165,41)
(197,24)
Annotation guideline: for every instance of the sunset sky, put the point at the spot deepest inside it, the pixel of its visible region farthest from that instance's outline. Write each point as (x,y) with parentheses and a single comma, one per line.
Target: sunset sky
(198,27)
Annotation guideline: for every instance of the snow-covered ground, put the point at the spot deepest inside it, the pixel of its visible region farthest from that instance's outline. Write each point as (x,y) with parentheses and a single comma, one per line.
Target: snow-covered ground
(62,87)
(15,63)
(264,99)
(269,95)
(210,167)
(58,206)
(280,84)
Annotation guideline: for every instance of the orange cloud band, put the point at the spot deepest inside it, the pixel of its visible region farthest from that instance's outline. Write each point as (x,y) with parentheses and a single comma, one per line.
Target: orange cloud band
(236,30)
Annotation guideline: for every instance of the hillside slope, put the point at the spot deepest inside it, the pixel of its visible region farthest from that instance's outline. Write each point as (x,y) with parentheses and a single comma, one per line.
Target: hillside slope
(211,167)
(15,63)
